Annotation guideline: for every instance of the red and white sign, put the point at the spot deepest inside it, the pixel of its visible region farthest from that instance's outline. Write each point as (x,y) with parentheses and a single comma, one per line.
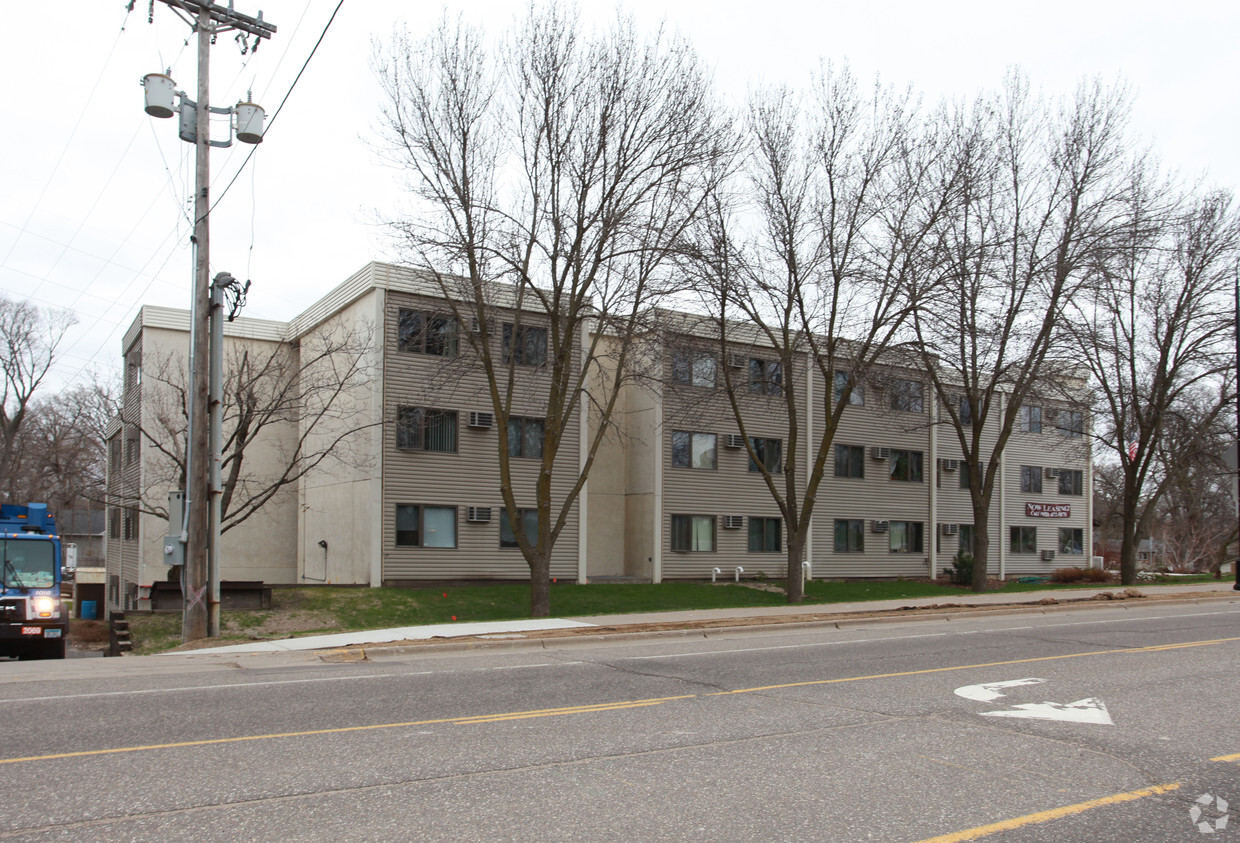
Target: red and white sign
(1048,510)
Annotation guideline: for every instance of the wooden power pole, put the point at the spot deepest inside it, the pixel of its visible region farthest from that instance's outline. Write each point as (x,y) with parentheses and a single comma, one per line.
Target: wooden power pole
(207,19)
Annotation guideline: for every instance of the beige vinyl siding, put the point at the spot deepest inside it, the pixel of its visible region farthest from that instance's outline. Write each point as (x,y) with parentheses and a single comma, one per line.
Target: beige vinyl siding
(469,477)
(954,505)
(728,489)
(876,497)
(1048,449)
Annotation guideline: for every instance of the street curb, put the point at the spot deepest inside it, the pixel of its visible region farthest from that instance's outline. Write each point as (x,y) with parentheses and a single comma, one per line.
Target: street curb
(585,635)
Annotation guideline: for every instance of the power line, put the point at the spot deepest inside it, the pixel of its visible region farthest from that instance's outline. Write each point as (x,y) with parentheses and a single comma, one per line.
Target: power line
(276,114)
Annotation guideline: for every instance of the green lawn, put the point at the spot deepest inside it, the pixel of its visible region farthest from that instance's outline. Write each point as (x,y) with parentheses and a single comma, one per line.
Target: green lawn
(310,611)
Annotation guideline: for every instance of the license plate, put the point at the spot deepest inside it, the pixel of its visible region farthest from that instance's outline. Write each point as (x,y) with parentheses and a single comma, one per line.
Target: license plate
(32,630)
(51,633)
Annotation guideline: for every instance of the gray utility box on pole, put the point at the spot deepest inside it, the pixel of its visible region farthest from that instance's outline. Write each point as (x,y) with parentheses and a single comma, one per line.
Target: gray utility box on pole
(174,542)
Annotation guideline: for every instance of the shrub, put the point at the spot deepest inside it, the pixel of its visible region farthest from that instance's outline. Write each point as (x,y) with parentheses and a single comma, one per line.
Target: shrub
(961,571)
(1096,575)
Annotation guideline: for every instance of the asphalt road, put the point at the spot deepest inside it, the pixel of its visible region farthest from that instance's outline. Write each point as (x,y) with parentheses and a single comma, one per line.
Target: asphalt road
(891,732)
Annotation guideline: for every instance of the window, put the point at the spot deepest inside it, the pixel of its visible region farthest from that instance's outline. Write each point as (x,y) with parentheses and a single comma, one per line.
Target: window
(1031,478)
(426,333)
(770,453)
(525,437)
(114,451)
(425,526)
(529,520)
(130,526)
(966,477)
(693,450)
(842,380)
(765,377)
(849,461)
(1071,541)
(1030,419)
(114,523)
(693,532)
(904,536)
(693,367)
(1070,423)
(905,466)
(525,345)
(764,535)
(906,396)
(131,450)
(849,535)
(1071,481)
(1024,540)
(420,429)
(965,408)
(966,538)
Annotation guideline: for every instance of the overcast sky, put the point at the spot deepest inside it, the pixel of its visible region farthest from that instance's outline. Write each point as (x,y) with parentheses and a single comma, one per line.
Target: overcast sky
(95,195)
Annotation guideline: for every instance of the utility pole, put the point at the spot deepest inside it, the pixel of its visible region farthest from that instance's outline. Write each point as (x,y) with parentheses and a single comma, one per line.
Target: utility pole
(207,19)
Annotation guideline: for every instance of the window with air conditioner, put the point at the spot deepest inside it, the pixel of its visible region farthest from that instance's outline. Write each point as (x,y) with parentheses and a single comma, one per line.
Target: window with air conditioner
(693,533)
(425,526)
(424,429)
(694,450)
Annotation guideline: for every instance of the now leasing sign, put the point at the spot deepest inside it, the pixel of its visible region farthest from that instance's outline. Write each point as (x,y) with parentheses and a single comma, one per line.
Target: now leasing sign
(1048,510)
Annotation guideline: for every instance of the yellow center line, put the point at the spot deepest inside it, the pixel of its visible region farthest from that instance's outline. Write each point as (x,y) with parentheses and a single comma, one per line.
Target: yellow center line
(585,709)
(1235,757)
(1151,649)
(1052,814)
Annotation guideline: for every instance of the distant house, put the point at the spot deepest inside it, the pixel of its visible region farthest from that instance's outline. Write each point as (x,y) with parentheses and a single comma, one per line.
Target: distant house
(85,529)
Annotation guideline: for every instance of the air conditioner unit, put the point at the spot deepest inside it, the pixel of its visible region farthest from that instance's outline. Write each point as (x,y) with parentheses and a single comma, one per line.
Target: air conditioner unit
(734,440)
(1048,555)
(879,526)
(880,453)
(483,421)
(1052,472)
(736,361)
(733,522)
(478,514)
(950,465)
(476,327)
(949,529)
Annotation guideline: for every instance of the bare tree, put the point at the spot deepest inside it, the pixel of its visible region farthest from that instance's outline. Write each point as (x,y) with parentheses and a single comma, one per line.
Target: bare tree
(29,339)
(1034,202)
(556,172)
(1155,333)
(286,412)
(1196,517)
(810,258)
(59,454)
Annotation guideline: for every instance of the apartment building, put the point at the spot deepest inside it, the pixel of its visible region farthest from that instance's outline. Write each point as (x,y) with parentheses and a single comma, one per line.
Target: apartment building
(410,490)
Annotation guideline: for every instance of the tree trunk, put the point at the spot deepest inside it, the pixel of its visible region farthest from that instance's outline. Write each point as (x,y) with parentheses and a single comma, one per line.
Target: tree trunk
(981,545)
(796,578)
(540,585)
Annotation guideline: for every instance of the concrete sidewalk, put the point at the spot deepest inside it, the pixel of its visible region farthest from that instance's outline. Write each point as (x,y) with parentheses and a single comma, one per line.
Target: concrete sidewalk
(806,611)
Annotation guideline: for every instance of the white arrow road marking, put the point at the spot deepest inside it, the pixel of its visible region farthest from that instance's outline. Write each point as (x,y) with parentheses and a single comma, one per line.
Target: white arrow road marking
(990,691)
(1089,710)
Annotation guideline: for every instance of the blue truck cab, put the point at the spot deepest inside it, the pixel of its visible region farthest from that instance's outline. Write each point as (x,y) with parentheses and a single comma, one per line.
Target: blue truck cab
(34,620)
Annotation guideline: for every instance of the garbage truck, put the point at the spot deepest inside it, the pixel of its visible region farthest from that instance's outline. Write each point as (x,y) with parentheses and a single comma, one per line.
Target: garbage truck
(34,620)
